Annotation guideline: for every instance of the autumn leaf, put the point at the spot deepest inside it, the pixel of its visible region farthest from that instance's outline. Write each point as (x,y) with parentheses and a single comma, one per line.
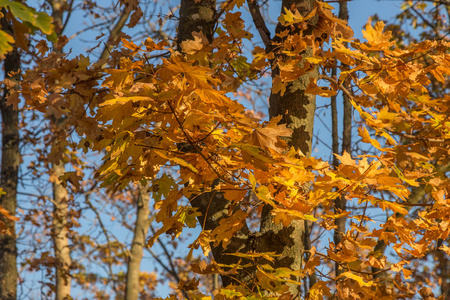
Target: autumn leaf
(267,138)
(135,17)
(320,91)
(228,227)
(195,45)
(319,291)
(375,35)
(5,43)
(8,215)
(289,17)
(357,278)
(73,177)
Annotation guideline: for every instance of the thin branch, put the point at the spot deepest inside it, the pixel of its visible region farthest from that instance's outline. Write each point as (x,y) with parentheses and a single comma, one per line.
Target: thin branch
(105,233)
(116,30)
(260,24)
(198,150)
(70,9)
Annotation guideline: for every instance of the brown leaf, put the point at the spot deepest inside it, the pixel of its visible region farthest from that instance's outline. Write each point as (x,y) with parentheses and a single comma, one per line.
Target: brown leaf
(135,17)
(267,137)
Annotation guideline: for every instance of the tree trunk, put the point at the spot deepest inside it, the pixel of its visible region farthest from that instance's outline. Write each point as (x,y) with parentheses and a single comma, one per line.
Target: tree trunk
(341,202)
(9,178)
(60,228)
(60,237)
(138,244)
(297,110)
(199,16)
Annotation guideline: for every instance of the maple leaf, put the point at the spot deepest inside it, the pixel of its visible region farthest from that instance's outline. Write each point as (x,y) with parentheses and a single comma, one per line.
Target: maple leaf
(195,45)
(267,137)
(376,37)
(228,227)
(318,90)
(290,18)
(346,159)
(319,290)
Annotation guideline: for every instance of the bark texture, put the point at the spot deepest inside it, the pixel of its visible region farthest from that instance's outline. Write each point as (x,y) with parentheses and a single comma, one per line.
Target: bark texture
(60,235)
(214,207)
(137,247)
(9,179)
(196,16)
(60,229)
(297,110)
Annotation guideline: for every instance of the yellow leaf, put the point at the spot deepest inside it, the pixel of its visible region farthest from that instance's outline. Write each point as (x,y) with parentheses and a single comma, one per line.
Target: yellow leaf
(319,290)
(395,207)
(228,227)
(285,216)
(5,43)
(178,161)
(346,159)
(364,133)
(355,277)
(376,36)
(290,18)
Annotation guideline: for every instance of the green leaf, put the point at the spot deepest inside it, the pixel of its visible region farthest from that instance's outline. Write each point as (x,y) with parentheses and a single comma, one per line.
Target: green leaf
(44,23)
(189,216)
(162,187)
(39,20)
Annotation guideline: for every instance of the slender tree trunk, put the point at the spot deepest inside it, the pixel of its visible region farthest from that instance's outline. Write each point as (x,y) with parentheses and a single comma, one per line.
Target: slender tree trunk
(60,237)
(138,244)
(341,203)
(348,108)
(60,228)
(9,179)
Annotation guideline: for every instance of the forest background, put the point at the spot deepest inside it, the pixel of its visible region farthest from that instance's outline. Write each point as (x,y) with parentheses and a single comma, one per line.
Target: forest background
(74,233)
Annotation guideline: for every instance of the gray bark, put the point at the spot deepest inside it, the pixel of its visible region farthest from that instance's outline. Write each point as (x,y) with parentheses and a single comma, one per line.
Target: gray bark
(297,110)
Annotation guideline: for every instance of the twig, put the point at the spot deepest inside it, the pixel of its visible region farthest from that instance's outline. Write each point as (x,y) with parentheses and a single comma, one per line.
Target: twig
(260,24)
